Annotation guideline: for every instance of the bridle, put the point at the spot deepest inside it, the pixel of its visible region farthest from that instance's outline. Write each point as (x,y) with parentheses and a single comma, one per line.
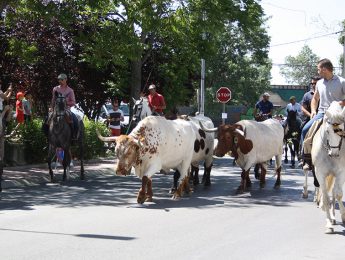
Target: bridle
(138,108)
(339,132)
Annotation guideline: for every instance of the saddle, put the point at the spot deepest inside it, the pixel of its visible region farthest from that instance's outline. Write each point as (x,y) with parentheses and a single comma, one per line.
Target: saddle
(308,141)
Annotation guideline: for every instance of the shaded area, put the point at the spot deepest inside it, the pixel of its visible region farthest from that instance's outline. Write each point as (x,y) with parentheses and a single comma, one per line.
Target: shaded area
(121,191)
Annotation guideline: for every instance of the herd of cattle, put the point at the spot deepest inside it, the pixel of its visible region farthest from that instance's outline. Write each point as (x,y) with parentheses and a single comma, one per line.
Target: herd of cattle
(157,144)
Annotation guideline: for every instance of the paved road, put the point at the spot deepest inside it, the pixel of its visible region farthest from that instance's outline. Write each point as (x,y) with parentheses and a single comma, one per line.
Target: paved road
(100,219)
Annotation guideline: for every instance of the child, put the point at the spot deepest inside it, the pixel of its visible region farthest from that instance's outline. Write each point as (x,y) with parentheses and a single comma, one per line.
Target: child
(19,108)
(114,119)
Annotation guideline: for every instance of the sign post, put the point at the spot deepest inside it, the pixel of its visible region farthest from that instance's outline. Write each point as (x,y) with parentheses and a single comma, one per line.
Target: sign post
(223,95)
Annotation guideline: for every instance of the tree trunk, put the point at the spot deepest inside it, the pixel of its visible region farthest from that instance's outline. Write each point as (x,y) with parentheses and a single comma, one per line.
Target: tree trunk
(135,78)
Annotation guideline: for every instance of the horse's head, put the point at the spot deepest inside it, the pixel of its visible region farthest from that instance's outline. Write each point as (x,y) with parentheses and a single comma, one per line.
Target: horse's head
(60,105)
(334,129)
(141,109)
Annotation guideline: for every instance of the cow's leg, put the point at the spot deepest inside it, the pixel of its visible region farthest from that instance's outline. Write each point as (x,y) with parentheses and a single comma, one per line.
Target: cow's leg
(177,176)
(149,192)
(207,174)
(183,186)
(263,175)
(243,184)
(278,173)
(256,171)
(142,192)
(195,176)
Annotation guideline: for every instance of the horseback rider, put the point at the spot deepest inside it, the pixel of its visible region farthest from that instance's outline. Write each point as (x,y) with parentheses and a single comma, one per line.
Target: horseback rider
(68,93)
(306,101)
(156,101)
(263,109)
(295,107)
(328,89)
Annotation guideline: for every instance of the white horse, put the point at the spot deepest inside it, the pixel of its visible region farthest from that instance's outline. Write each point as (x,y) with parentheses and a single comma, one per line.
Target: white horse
(328,156)
(141,109)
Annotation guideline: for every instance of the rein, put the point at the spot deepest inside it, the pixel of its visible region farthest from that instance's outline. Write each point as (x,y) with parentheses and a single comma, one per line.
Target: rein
(339,132)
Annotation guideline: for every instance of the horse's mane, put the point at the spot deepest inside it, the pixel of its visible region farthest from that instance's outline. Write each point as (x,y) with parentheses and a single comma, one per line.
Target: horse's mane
(334,112)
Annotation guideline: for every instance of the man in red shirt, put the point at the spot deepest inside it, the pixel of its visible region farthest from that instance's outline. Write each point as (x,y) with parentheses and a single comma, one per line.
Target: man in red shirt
(156,101)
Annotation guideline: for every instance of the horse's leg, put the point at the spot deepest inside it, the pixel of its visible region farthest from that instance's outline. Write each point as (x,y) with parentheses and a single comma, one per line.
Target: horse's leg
(338,193)
(65,163)
(286,151)
(305,186)
(278,170)
(142,192)
(325,206)
(81,155)
(316,184)
(51,153)
(293,153)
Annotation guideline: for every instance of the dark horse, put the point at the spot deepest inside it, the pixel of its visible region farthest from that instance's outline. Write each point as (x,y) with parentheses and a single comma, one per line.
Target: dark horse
(292,136)
(60,136)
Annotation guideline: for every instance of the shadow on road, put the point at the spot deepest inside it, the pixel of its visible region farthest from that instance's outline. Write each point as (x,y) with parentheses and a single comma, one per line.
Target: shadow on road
(121,191)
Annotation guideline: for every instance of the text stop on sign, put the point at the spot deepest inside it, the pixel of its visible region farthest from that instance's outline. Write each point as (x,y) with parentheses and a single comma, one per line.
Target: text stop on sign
(223,94)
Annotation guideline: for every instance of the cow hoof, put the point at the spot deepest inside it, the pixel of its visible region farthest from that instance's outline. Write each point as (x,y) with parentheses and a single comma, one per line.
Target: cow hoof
(172,190)
(257,175)
(141,197)
(148,199)
(240,190)
(176,197)
(329,230)
(276,186)
(286,161)
(305,195)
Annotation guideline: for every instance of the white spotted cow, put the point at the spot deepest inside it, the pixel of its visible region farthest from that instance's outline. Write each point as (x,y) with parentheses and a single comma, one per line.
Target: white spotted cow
(203,150)
(251,142)
(155,144)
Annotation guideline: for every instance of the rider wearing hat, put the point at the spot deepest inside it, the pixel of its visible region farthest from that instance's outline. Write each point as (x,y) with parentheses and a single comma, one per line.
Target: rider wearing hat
(156,101)
(263,108)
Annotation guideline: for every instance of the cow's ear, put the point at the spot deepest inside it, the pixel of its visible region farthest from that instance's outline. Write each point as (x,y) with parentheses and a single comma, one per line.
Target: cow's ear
(246,146)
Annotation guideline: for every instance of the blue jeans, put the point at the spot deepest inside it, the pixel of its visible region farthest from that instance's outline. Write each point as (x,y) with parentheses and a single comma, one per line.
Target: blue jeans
(308,125)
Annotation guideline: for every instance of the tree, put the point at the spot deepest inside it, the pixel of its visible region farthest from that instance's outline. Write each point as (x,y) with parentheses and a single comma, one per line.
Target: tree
(300,69)
(342,42)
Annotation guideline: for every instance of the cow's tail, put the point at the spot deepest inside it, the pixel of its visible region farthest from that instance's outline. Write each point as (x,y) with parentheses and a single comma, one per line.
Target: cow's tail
(105,139)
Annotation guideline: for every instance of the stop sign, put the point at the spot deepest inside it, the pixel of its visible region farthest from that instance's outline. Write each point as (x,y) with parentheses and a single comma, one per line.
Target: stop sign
(223,94)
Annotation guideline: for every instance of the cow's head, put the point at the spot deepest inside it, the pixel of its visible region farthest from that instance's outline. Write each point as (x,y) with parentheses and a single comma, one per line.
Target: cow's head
(126,151)
(231,138)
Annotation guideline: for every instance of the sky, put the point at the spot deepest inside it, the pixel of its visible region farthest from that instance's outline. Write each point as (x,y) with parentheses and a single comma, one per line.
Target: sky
(294,20)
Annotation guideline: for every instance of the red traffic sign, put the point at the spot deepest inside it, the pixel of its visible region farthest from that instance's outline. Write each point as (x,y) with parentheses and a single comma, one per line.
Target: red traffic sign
(223,94)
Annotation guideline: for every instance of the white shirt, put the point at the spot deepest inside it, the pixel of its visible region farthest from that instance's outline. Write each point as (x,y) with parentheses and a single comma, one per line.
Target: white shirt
(294,107)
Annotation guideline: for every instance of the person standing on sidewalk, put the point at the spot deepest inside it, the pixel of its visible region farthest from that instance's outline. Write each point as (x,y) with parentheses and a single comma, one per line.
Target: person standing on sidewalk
(115,119)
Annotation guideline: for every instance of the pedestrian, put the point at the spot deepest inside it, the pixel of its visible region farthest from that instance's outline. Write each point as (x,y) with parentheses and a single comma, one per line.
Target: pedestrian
(156,101)
(27,106)
(328,89)
(115,119)
(264,108)
(5,96)
(19,108)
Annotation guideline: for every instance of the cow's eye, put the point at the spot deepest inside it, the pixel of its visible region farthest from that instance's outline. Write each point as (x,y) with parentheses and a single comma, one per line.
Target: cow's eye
(235,140)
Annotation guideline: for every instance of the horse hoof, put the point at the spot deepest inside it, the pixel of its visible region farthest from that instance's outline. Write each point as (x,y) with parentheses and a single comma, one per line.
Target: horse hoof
(329,231)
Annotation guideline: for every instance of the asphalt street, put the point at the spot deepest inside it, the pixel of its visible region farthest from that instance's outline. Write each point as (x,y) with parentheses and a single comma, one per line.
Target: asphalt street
(100,219)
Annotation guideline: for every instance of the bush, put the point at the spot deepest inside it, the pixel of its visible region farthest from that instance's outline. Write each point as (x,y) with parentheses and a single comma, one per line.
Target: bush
(36,144)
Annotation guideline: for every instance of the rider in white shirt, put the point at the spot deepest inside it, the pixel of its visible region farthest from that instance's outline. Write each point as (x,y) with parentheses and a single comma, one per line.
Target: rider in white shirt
(294,106)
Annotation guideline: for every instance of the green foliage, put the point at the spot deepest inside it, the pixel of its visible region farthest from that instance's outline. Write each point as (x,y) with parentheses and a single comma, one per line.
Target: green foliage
(301,68)
(93,147)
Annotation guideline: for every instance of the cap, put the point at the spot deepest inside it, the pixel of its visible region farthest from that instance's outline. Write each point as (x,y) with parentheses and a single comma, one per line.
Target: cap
(266,94)
(20,94)
(292,97)
(62,76)
(152,87)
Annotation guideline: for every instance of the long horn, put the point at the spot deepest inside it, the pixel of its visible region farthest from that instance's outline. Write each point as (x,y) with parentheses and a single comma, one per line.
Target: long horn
(105,139)
(239,132)
(210,130)
(134,100)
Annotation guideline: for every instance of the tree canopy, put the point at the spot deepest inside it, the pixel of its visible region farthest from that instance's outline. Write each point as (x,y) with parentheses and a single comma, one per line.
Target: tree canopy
(299,69)
(115,48)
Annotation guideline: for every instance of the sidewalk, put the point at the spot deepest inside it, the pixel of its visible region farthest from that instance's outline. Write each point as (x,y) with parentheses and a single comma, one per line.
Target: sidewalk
(30,175)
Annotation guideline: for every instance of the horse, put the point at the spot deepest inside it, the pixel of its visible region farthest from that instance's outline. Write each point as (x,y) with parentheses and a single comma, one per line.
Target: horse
(292,136)
(141,109)
(328,158)
(60,136)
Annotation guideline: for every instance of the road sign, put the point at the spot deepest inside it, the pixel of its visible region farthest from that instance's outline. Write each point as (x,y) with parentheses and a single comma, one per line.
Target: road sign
(223,94)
